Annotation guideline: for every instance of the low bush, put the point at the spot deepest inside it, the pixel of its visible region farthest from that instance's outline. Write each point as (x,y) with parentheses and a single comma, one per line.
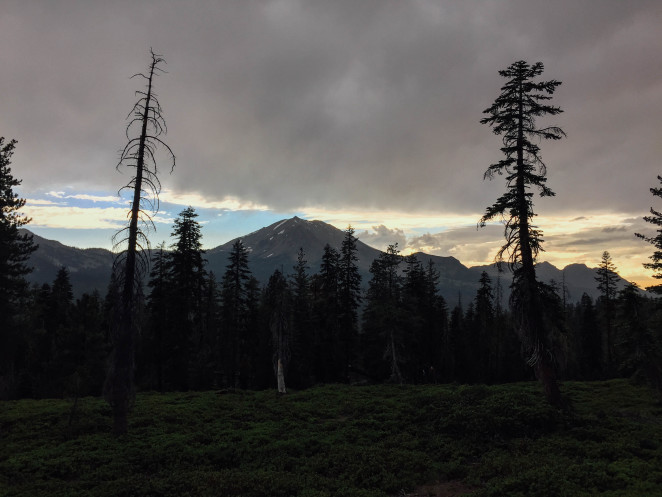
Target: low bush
(340,440)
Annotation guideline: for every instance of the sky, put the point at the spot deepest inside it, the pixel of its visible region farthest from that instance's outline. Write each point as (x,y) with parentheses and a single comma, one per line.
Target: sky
(351,112)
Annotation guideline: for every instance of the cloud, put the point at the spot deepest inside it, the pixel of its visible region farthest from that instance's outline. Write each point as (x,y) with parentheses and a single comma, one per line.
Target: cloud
(84,196)
(95,198)
(381,237)
(351,112)
(52,216)
(470,245)
(47,214)
(292,104)
(198,201)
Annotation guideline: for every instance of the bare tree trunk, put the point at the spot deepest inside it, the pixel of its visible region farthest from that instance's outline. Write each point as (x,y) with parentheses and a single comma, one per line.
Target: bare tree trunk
(396,374)
(131,263)
(280,376)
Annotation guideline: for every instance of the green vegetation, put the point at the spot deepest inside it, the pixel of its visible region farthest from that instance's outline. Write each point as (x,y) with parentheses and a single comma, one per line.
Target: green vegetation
(340,440)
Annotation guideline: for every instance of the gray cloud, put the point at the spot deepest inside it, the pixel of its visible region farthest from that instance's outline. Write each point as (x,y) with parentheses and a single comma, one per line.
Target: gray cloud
(341,104)
(381,237)
(470,245)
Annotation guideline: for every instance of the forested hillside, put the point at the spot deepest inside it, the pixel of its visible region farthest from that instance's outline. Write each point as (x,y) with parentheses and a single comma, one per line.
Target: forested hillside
(202,330)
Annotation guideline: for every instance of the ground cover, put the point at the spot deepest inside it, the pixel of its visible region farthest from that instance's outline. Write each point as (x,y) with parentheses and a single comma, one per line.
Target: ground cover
(338,440)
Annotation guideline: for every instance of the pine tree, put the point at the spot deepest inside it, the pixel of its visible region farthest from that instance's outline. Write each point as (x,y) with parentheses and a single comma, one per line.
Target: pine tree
(415,304)
(64,354)
(277,309)
(485,345)
(384,318)
(327,363)
(158,349)
(435,323)
(349,295)
(513,116)
(640,346)
(607,279)
(656,219)
(301,339)
(590,341)
(15,250)
(189,280)
(234,314)
(88,320)
(131,263)
(454,345)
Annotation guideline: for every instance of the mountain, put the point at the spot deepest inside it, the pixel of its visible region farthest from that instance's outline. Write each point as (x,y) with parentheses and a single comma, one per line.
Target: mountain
(89,269)
(276,247)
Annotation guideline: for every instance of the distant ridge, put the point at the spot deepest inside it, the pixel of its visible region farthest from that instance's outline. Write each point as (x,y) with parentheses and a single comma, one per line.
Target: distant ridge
(276,247)
(89,269)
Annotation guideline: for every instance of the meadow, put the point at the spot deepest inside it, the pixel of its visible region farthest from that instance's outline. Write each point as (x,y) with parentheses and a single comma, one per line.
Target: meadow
(339,440)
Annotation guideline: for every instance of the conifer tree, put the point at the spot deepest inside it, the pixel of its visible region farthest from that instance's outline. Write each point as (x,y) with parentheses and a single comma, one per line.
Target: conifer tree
(485,347)
(513,116)
(326,315)
(415,305)
(607,279)
(234,309)
(301,340)
(158,347)
(189,279)
(278,314)
(590,340)
(349,295)
(131,263)
(63,342)
(15,250)
(640,343)
(655,219)
(384,317)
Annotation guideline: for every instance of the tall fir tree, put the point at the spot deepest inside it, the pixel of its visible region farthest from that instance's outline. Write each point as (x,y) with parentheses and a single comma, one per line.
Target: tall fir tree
(485,348)
(655,219)
(157,345)
(277,310)
(326,316)
(349,300)
(189,279)
(640,339)
(513,116)
(607,280)
(64,354)
(15,250)
(301,339)
(589,346)
(384,319)
(235,362)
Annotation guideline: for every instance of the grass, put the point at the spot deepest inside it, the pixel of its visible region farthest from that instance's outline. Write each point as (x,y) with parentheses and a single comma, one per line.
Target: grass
(337,440)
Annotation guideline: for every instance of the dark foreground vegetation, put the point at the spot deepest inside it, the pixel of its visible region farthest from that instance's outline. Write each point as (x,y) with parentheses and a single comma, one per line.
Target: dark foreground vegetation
(339,440)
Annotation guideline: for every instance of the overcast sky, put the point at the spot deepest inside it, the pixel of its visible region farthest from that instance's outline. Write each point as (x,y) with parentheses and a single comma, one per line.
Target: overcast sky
(363,112)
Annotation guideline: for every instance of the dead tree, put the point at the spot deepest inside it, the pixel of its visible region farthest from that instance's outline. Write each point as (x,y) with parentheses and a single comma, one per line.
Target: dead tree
(131,242)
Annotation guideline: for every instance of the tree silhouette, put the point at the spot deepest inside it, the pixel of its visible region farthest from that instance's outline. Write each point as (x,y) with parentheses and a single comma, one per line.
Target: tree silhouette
(513,116)
(384,317)
(301,340)
(349,299)
(131,263)
(234,314)
(326,313)
(189,278)
(277,298)
(15,249)
(656,219)
(607,279)
(640,347)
